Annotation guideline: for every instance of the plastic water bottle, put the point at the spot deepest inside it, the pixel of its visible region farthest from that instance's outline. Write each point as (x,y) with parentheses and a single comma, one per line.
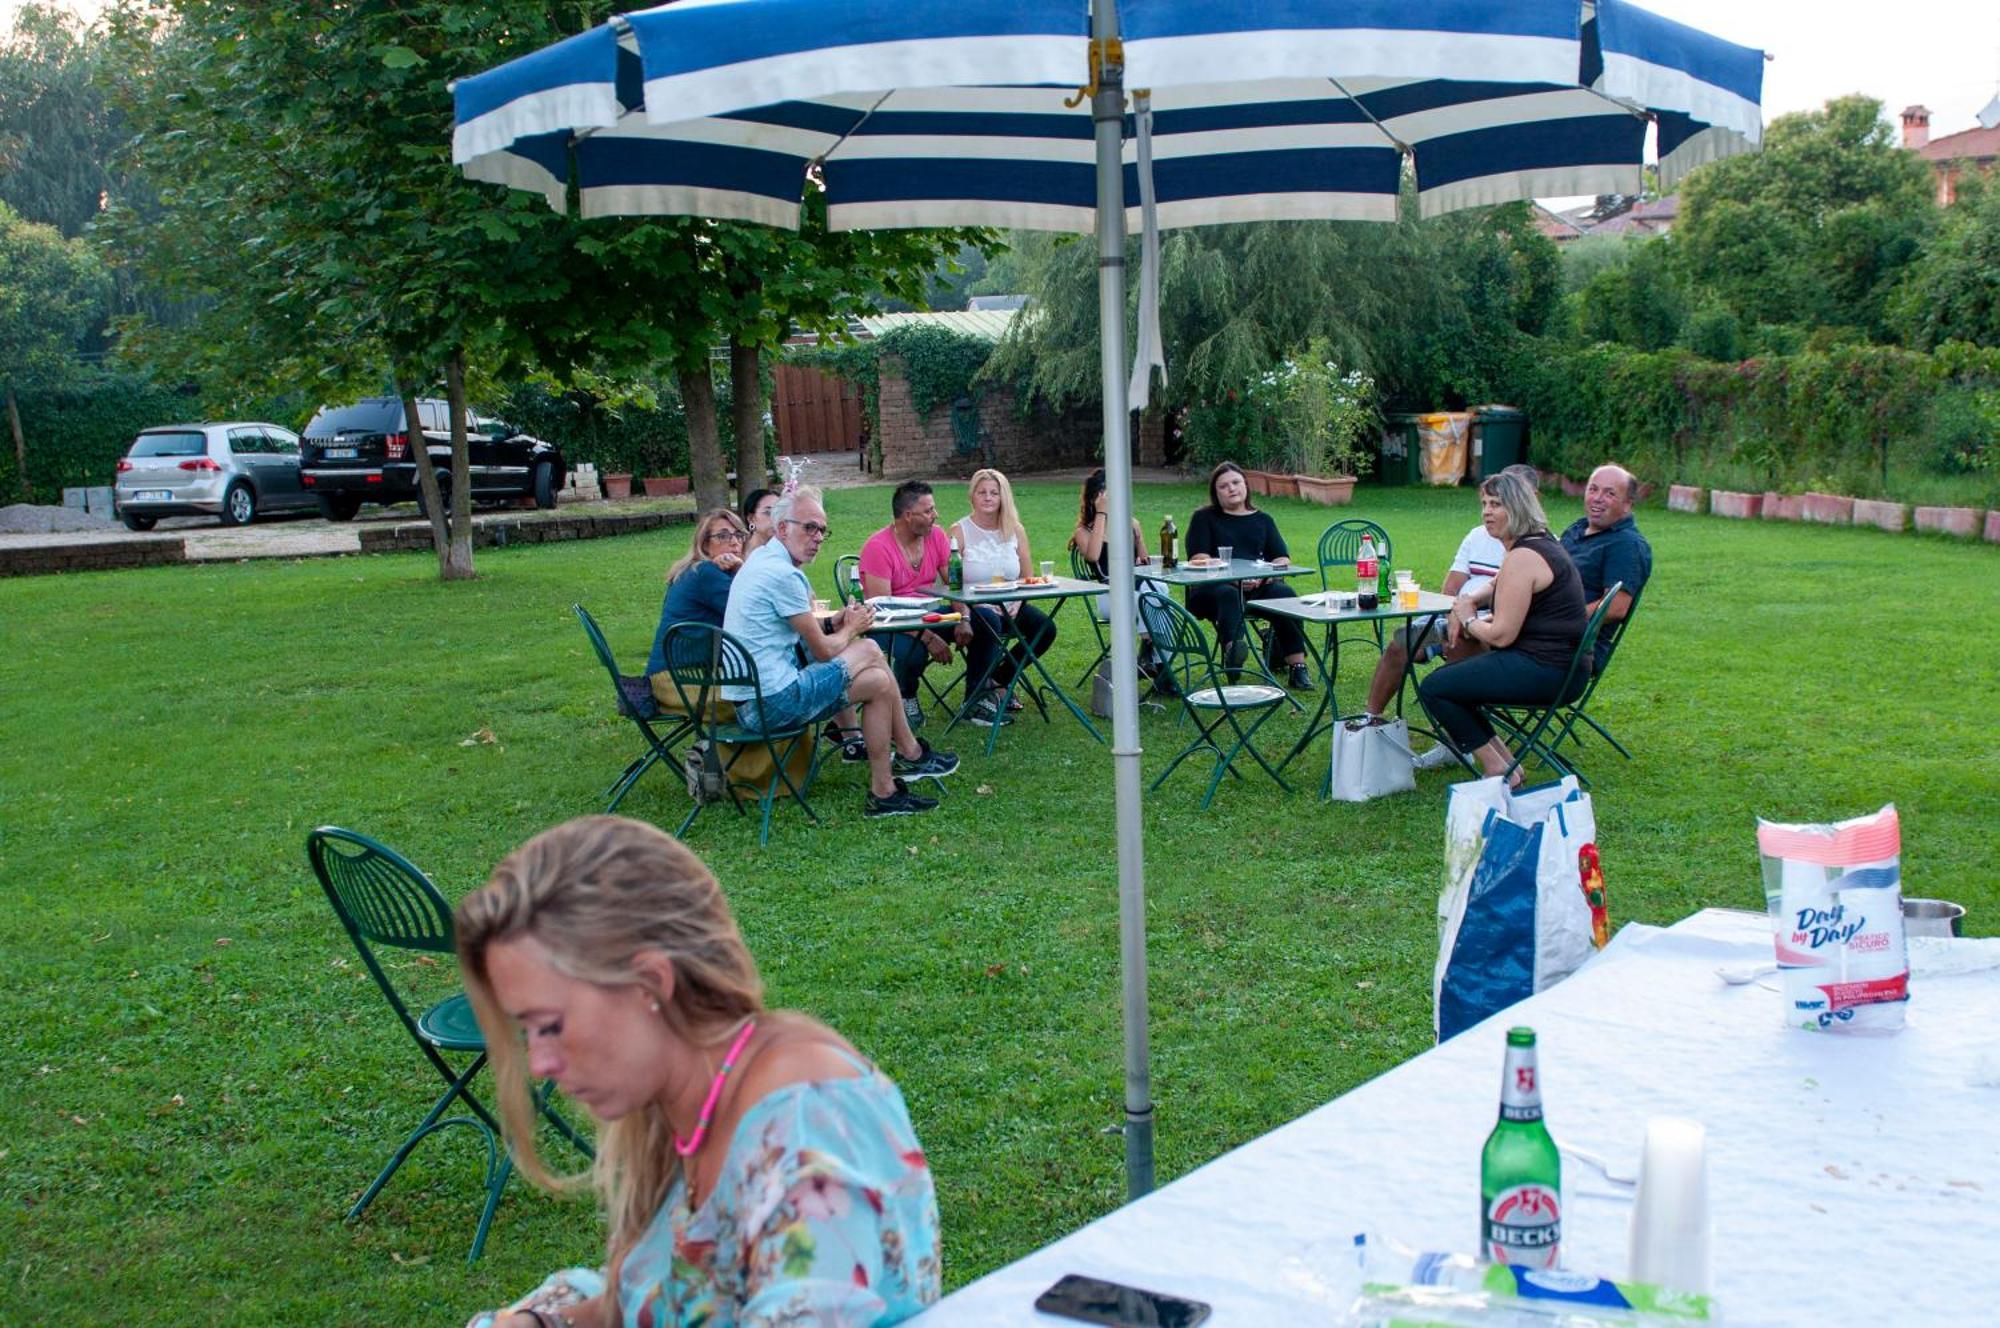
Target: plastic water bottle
(1367,574)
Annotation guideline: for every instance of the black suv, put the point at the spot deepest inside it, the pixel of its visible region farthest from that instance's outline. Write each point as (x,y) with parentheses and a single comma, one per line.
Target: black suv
(350,455)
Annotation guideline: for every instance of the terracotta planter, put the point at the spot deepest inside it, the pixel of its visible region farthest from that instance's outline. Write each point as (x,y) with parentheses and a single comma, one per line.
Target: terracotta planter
(1326,490)
(1284,486)
(1743,506)
(1784,506)
(1891,517)
(1829,509)
(1684,498)
(1993,527)
(1960,521)
(618,485)
(1258,480)
(658,486)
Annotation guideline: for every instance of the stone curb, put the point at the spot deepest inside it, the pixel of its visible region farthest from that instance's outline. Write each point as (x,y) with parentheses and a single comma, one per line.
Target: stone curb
(96,556)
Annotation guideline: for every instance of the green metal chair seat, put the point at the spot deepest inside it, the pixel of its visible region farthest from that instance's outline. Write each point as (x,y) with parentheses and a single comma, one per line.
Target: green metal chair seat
(635,701)
(1238,694)
(450,1025)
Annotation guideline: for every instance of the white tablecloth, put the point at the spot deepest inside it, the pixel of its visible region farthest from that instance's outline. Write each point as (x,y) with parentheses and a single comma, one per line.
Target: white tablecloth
(1853,1180)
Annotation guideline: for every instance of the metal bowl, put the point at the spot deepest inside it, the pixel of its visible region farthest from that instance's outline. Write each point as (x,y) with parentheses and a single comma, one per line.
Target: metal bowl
(1933,917)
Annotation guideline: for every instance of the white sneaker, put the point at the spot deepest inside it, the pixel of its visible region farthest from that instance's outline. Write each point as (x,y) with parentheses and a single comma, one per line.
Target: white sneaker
(1437,758)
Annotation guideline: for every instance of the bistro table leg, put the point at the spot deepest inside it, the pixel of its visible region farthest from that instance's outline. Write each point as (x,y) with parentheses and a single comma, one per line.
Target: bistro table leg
(1035,662)
(1321,721)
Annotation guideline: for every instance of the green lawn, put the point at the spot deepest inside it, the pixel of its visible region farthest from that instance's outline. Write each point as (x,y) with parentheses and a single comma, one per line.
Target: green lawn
(201,1077)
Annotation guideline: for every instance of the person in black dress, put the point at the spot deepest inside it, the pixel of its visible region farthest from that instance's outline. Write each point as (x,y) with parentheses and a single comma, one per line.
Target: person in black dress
(1230,520)
(1538,618)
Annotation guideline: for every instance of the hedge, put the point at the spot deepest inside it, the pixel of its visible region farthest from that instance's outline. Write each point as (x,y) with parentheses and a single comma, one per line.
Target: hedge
(74,436)
(1845,417)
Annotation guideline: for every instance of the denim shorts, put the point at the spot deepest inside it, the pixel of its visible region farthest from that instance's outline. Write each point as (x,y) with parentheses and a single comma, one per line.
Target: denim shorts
(818,691)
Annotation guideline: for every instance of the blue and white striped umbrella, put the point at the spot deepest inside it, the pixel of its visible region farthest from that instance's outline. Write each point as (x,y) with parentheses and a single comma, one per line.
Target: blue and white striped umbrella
(965,112)
(935,115)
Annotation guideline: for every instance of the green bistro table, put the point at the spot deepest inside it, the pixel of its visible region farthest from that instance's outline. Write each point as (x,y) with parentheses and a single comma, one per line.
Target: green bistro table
(1058,592)
(1317,609)
(1236,569)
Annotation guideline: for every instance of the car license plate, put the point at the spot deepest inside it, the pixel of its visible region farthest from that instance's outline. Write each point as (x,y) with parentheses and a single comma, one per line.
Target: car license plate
(151,496)
(340,454)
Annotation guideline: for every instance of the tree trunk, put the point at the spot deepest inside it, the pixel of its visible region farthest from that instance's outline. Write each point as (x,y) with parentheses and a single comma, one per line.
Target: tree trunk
(746,390)
(711,485)
(20,446)
(457,563)
(427,484)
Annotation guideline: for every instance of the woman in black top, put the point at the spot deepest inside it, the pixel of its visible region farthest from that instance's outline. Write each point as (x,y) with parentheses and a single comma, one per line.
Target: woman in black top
(1229,519)
(1538,618)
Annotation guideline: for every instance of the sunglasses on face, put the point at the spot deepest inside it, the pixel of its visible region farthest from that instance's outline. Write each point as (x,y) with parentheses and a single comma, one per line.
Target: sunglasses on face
(813,528)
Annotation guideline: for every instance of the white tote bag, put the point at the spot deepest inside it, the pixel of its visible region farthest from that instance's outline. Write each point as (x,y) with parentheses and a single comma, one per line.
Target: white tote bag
(1512,917)
(1371,760)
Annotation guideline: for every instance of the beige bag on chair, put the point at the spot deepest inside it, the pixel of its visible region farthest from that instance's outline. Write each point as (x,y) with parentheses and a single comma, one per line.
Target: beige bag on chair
(1371,760)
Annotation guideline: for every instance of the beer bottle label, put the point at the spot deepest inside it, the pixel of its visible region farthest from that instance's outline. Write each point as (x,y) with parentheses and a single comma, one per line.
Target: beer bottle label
(1524,1226)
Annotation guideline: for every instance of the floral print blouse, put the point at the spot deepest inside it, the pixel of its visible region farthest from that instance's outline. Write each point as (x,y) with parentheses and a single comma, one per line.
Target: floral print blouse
(823,1215)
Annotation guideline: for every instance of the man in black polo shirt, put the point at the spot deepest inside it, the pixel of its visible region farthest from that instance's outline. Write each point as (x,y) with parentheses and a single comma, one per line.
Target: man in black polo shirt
(1606,546)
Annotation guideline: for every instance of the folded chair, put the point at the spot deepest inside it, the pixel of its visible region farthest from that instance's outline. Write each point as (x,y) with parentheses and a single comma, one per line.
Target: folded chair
(637,703)
(1212,704)
(703,660)
(1527,728)
(384,901)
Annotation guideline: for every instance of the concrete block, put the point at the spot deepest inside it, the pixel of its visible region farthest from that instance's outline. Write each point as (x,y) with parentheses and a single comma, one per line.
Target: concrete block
(1684,498)
(1742,506)
(1892,517)
(1829,509)
(1960,521)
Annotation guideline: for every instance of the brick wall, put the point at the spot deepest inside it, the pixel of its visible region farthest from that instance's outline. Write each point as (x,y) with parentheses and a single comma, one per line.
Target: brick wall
(90,556)
(918,448)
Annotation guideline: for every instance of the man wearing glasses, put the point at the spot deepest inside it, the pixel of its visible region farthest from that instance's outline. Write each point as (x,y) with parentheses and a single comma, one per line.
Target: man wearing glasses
(771,613)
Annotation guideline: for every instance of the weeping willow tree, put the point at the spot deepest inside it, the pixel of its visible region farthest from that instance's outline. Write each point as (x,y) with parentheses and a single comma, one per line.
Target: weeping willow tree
(1429,309)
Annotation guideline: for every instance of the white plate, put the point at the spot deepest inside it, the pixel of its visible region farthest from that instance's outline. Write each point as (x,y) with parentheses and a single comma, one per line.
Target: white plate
(993,587)
(905,603)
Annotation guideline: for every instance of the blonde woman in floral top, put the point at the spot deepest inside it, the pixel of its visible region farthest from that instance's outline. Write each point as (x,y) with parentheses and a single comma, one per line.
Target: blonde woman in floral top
(756,1170)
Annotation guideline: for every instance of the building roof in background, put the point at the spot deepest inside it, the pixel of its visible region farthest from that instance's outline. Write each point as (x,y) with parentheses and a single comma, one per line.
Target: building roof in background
(1555,225)
(987,324)
(1968,144)
(996,302)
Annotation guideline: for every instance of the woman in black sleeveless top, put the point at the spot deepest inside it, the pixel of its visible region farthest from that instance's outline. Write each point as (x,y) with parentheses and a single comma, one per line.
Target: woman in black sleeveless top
(1538,619)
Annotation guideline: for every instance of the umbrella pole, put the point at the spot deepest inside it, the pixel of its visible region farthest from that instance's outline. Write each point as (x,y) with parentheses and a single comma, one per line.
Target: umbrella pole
(1108,111)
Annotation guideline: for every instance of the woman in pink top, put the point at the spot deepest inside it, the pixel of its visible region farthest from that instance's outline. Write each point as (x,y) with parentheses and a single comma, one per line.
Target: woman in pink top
(908,557)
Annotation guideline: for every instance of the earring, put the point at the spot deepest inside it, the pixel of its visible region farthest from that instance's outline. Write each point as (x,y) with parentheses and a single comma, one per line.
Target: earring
(653,1004)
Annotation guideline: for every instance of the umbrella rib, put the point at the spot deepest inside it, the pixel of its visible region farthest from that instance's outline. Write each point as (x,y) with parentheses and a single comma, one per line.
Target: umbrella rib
(853,128)
(1361,106)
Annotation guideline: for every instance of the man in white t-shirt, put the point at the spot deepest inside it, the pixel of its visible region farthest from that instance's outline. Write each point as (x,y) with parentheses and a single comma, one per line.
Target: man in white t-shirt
(1477,563)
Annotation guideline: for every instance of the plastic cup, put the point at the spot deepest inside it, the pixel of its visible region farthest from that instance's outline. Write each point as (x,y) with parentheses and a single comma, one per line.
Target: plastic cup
(1670,1234)
(1223,551)
(1048,569)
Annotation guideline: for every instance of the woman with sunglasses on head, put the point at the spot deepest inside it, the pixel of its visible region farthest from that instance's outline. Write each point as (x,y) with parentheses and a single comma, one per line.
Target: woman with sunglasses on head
(995,548)
(752,1166)
(1093,523)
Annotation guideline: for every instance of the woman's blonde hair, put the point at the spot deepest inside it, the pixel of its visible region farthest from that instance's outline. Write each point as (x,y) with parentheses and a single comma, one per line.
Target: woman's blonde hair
(1010,519)
(595,892)
(1519,501)
(698,552)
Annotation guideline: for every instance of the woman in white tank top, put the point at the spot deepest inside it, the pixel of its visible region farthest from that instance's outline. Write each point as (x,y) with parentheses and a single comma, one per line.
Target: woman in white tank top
(993,546)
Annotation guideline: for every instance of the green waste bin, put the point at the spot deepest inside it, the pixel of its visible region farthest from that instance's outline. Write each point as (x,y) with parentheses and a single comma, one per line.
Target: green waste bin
(1398,456)
(1499,438)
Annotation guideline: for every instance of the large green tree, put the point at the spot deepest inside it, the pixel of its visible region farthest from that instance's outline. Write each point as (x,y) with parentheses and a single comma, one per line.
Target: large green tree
(1816,229)
(51,294)
(1953,291)
(59,131)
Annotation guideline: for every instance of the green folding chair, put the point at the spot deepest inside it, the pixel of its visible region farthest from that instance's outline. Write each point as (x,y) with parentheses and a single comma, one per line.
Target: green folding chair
(1611,637)
(1526,727)
(636,702)
(1210,702)
(1081,569)
(385,901)
(703,660)
(845,583)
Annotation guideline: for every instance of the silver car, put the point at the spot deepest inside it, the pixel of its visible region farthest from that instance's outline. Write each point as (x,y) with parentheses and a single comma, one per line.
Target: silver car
(232,470)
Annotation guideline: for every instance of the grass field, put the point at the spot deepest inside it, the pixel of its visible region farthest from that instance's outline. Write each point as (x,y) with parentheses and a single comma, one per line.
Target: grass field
(202,1078)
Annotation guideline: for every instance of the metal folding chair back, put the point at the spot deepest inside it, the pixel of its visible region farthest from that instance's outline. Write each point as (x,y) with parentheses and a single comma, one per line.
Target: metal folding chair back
(1212,701)
(385,902)
(1526,726)
(1340,546)
(703,661)
(844,583)
(1611,637)
(1080,569)
(636,702)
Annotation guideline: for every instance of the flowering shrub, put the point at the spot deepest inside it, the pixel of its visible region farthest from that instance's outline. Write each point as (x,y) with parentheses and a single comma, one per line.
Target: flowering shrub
(1322,415)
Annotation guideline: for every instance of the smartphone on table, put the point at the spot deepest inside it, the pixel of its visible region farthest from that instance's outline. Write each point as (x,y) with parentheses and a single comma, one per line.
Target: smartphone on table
(1094,1300)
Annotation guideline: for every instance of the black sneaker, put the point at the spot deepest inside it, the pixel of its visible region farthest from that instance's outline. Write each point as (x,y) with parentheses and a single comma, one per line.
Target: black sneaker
(986,712)
(854,750)
(900,803)
(1300,680)
(931,764)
